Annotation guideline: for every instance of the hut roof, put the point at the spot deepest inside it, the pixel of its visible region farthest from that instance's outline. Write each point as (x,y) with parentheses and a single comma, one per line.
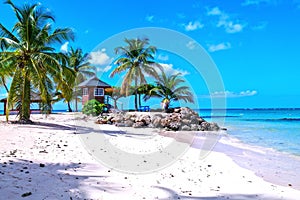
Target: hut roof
(34,97)
(93,82)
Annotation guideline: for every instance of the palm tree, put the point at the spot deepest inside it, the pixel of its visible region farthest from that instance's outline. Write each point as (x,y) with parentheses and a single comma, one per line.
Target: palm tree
(144,90)
(137,59)
(79,70)
(170,88)
(29,50)
(115,94)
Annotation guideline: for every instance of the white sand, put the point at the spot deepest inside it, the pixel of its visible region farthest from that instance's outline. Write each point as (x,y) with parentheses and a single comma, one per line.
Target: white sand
(70,172)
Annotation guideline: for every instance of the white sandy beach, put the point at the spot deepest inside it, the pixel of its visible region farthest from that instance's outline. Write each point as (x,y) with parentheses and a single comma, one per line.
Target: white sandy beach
(48,160)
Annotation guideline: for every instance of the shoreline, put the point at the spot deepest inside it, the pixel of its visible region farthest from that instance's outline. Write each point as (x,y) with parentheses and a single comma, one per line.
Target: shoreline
(264,162)
(69,170)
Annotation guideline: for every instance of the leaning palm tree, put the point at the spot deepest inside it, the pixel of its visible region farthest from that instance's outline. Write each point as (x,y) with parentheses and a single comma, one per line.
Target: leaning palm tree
(29,50)
(170,88)
(137,59)
(78,70)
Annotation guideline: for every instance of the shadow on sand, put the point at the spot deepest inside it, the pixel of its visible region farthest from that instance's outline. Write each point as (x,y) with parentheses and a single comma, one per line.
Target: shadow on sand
(49,180)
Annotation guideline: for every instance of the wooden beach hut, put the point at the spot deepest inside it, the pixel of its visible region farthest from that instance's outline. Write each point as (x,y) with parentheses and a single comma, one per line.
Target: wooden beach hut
(94,88)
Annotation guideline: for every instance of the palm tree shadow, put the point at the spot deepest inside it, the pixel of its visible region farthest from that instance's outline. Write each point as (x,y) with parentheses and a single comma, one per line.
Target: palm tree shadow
(53,180)
(52,126)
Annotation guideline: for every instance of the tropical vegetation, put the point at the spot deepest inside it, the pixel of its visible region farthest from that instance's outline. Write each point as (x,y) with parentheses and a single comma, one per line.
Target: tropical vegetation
(30,63)
(137,60)
(93,107)
(79,69)
(115,94)
(170,88)
(28,51)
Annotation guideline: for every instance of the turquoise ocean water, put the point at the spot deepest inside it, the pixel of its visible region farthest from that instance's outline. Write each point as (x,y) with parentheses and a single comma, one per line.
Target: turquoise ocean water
(278,129)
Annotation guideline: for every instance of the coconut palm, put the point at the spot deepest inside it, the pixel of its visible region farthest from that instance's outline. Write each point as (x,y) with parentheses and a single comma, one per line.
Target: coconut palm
(115,94)
(144,90)
(170,88)
(29,50)
(79,70)
(137,59)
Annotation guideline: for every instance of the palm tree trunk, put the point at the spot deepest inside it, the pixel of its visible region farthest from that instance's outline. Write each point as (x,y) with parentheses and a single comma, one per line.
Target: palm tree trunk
(24,111)
(115,104)
(76,104)
(135,95)
(140,104)
(69,107)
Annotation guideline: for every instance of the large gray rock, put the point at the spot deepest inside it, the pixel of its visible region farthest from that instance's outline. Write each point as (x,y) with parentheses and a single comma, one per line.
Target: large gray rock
(165,122)
(174,126)
(185,128)
(156,122)
(186,121)
(138,125)
(214,127)
(128,123)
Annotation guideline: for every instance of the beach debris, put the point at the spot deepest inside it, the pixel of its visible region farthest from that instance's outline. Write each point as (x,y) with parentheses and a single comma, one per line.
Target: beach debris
(182,119)
(42,165)
(26,194)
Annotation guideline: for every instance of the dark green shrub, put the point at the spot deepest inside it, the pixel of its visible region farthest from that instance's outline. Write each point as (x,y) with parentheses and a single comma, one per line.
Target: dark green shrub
(93,107)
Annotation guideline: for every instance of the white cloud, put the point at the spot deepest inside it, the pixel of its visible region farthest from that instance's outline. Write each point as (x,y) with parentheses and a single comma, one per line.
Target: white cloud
(64,47)
(229,94)
(258,2)
(105,69)
(163,57)
(233,28)
(219,47)
(192,26)
(191,45)
(149,18)
(229,25)
(170,70)
(214,11)
(99,58)
(225,21)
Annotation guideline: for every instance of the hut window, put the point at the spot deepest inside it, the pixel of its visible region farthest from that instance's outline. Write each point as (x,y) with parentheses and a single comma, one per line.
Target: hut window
(85,91)
(98,92)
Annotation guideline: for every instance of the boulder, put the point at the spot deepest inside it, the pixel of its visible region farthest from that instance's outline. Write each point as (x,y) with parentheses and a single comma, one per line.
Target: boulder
(164,122)
(194,119)
(128,123)
(186,121)
(138,125)
(185,128)
(195,127)
(118,119)
(120,124)
(174,126)
(214,127)
(156,122)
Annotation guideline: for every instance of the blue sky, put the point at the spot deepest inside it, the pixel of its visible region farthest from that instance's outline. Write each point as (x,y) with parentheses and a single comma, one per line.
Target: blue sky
(254,43)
